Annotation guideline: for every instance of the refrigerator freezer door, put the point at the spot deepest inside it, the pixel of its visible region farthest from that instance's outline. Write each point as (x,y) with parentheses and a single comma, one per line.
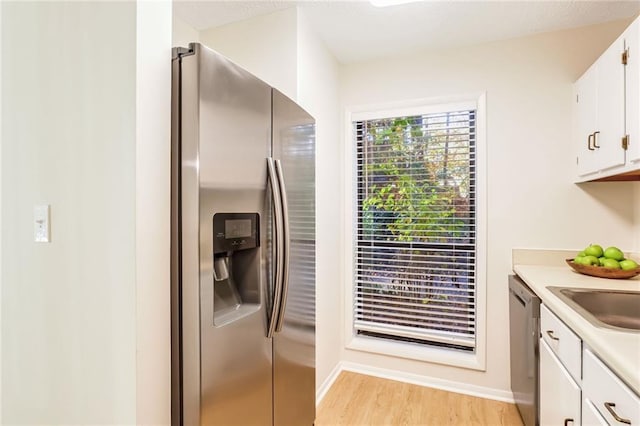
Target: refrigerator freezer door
(225,137)
(294,344)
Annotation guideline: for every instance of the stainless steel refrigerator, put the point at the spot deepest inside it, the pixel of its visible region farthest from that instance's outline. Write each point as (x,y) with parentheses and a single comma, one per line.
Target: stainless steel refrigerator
(243,248)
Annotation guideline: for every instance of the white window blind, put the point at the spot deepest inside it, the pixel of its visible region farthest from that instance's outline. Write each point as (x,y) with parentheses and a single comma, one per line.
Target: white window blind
(415,266)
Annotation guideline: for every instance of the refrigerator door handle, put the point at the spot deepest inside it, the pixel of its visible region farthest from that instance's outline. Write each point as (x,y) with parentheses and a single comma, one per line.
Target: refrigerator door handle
(279,245)
(286,243)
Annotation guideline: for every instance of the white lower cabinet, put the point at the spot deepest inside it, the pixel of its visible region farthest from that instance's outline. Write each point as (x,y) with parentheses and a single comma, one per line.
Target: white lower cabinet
(560,396)
(563,342)
(615,402)
(576,387)
(590,415)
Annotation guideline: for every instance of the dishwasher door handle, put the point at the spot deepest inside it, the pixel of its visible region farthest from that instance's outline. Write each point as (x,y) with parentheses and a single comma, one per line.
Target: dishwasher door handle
(518,298)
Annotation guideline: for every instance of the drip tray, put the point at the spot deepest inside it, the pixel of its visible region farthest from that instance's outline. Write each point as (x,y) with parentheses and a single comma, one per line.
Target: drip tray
(230,314)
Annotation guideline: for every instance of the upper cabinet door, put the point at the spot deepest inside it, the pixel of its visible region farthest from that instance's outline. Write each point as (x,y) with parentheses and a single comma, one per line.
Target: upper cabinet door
(611,111)
(585,119)
(632,43)
(606,119)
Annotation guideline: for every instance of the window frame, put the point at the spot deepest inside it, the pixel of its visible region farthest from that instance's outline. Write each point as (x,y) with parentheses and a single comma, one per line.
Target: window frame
(475,360)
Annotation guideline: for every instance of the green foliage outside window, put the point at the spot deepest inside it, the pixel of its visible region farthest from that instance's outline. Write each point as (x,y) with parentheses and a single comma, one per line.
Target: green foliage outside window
(417,179)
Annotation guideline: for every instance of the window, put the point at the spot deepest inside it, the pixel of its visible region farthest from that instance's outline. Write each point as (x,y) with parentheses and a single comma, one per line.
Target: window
(415,266)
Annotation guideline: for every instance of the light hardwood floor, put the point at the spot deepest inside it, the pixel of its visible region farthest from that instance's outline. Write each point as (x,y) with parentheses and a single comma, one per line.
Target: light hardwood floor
(359,400)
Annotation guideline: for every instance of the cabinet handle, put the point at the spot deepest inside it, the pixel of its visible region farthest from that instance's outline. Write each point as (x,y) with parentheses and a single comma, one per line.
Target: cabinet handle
(589,141)
(566,421)
(550,334)
(595,139)
(610,406)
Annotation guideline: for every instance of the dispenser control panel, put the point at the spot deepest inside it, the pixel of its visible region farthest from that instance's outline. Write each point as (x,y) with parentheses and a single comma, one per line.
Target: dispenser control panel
(235,231)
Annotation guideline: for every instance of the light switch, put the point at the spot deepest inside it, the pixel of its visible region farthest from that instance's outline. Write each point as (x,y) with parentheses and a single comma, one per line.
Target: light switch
(41,229)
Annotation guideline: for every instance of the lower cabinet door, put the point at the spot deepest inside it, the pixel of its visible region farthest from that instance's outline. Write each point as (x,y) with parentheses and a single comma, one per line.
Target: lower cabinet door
(590,415)
(560,396)
(613,399)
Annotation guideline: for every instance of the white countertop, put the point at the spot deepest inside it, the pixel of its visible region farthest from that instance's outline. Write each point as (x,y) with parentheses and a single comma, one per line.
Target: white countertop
(620,350)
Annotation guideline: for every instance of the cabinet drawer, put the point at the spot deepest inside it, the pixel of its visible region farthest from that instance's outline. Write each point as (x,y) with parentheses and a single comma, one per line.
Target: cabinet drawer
(563,342)
(604,389)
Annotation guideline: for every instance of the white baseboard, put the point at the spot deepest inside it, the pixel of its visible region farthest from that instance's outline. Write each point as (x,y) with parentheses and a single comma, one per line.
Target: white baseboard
(415,379)
(326,385)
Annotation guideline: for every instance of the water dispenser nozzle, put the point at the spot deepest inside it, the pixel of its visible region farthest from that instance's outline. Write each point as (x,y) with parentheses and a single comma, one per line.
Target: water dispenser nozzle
(221,267)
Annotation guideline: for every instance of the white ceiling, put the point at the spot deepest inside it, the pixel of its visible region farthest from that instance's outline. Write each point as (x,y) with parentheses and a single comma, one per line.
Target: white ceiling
(356,31)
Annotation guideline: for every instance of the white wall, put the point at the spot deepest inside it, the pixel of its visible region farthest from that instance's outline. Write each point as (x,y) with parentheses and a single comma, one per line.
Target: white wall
(264,45)
(318,81)
(153,212)
(636,220)
(1,285)
(182,33)
(68,320)
(78,339)
(531,200)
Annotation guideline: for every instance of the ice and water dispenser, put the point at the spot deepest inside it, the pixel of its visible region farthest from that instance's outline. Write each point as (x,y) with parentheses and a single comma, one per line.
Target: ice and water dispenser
(236,266)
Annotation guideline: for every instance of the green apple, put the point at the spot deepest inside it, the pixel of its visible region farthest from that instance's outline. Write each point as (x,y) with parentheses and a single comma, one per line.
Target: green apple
(590,260)
(611,264)
(594,250)
(628,265)
(581,254)
(601,260)
(614,253)
(578,260)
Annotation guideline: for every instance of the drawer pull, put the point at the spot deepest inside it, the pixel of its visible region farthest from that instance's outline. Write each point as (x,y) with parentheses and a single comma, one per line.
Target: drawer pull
(566,421)
(550,334)
(610,406)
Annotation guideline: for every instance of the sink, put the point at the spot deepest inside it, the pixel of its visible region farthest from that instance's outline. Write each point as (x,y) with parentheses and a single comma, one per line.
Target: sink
(614,309)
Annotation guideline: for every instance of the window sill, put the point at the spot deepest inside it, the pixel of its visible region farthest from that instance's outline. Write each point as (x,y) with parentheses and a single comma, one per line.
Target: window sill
(444,356)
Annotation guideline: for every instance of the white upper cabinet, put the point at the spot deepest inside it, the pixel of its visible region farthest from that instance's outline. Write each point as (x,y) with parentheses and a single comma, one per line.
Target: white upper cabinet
(632,41)
(600,109)
(607,112)
(586,101)
(608,136)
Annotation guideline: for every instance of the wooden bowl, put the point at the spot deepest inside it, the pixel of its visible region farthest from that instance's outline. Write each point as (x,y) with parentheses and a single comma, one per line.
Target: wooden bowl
(599,271)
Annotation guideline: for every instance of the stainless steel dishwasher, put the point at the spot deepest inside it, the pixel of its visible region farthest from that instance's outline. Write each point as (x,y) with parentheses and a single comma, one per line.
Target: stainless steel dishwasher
(524,333)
